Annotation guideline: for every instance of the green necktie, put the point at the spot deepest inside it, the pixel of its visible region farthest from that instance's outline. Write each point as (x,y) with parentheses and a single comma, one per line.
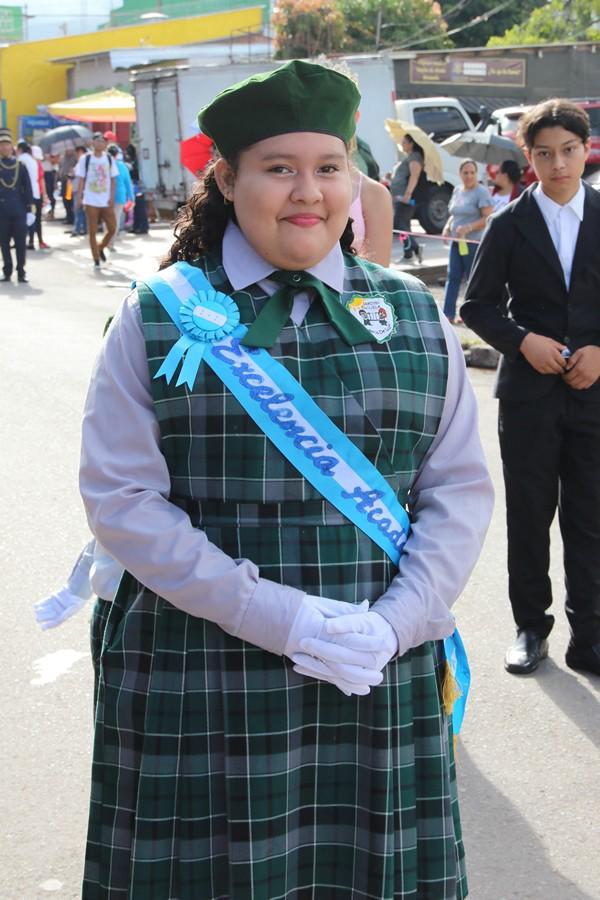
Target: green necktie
(267,326)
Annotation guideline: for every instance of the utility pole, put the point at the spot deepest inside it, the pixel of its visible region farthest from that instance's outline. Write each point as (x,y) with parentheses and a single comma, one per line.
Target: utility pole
(378,28)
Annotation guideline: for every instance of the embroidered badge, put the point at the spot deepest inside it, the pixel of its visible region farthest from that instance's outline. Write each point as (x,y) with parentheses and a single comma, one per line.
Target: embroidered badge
(376,314)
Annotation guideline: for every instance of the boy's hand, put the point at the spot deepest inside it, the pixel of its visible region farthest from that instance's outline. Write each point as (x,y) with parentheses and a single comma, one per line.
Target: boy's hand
(583,368)
(543,353)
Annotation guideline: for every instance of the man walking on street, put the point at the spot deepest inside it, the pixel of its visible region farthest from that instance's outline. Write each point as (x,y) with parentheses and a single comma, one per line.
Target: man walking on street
(79,226)
(97,173)
(544,248)
(15,199)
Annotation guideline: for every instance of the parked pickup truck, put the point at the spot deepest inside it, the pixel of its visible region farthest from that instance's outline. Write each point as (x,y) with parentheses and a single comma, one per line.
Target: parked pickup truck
(439,117)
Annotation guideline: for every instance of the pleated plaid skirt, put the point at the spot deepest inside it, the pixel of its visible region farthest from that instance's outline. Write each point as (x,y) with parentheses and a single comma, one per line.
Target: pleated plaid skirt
(221,774)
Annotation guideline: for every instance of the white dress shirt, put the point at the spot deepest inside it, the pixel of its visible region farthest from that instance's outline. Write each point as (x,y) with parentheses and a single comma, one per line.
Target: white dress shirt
(563,223)
(32,170)
(125,486)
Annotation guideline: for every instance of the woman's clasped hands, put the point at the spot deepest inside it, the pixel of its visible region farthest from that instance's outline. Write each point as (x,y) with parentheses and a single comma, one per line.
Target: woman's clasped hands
(344,644)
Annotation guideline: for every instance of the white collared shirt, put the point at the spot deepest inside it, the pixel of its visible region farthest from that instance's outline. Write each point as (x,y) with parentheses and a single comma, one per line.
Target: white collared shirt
(244,267)
(32,170)
(563,223)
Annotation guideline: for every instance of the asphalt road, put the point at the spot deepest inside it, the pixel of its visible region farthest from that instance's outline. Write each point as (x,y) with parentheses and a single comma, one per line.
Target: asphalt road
(528,757)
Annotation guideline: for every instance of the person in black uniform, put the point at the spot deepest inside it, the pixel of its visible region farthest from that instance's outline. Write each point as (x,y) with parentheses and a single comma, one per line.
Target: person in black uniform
(544,247)
(15,199)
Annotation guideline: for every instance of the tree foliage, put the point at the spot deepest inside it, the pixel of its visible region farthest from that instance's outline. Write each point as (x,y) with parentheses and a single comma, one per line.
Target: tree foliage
(307,28)
(376,24)
(558,20)
(310,27)
(479,20)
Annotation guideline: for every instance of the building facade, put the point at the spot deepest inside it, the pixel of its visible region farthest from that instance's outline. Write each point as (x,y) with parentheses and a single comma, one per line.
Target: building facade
(500,76)
(30,75)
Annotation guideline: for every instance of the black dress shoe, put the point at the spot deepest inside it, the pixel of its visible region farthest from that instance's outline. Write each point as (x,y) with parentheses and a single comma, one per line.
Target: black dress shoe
(22,279)
(583,658)
(526,653)
(5,278)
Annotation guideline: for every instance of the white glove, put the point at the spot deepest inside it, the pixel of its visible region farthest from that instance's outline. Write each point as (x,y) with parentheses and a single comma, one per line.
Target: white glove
(346,672)
(347,679)
(310,619)
(368,636)
(29,219)
(55,609)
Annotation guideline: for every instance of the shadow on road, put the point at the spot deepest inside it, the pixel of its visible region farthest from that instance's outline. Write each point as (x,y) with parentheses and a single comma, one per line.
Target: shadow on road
(572,697)
(505,858)
(17,290)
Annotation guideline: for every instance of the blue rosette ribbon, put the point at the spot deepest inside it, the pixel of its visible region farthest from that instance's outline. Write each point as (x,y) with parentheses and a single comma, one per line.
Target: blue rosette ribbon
(206,317)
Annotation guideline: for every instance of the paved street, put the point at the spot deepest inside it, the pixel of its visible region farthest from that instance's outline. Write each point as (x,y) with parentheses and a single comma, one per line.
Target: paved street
(528,757)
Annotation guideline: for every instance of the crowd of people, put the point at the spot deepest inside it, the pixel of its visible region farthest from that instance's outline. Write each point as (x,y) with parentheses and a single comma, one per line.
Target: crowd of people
(99,188)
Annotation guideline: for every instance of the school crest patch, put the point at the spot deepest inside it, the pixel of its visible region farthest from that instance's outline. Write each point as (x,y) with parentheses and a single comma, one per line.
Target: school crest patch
(376,314)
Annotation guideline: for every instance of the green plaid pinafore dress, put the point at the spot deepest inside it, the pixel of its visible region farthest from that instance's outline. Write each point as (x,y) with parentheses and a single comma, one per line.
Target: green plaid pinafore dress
(218,772)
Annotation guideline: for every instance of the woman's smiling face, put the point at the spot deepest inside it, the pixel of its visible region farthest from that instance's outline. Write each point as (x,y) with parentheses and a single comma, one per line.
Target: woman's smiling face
(291,194)
(468,175)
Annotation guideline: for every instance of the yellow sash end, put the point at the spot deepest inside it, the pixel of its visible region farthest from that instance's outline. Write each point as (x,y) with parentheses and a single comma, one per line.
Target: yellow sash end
(450,690)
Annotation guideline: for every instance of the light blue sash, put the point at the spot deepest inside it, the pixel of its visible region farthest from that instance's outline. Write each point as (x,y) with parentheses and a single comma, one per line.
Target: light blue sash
(210,330)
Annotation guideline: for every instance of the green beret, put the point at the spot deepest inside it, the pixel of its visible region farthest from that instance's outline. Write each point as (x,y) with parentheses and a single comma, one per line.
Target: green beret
(299,96)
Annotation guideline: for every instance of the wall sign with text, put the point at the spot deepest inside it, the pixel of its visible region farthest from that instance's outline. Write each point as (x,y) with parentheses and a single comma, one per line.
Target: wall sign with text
(488,70)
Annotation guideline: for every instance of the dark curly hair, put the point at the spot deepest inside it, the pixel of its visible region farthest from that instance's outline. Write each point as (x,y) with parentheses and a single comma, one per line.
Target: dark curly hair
(201,222)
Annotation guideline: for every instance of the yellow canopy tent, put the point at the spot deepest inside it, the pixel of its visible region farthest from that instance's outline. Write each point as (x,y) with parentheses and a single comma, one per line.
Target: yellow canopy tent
(106,106)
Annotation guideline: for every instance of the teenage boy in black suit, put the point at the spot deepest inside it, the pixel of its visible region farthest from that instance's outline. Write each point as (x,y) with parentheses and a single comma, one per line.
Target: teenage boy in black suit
(545,247)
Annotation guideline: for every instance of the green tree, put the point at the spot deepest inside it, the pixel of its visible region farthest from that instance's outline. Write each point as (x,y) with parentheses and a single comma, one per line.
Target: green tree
(307,28)
(558,20)
(376,24)
(471,23)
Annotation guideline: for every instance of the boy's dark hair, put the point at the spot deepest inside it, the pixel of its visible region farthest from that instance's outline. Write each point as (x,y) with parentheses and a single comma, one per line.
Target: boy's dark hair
(554,113)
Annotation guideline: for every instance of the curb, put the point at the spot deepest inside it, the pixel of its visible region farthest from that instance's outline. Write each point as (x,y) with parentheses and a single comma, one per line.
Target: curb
(428,274)
(481,356)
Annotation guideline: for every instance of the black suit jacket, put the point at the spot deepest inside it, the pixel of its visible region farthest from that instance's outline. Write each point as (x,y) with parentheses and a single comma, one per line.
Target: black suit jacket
(17,200)
(517,251)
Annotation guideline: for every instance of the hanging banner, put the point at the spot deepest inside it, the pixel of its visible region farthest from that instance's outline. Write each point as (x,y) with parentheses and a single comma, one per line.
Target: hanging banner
(498,71)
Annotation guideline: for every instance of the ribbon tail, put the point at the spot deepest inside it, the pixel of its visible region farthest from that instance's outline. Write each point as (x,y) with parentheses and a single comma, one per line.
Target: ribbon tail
(191,364)
(173,358)
(458,669)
